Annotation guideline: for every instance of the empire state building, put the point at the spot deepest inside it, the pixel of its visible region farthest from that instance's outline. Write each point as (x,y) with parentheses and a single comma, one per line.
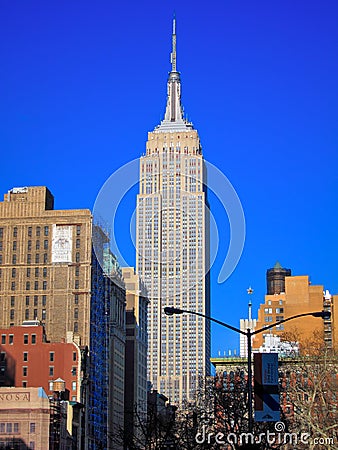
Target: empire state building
(172,235)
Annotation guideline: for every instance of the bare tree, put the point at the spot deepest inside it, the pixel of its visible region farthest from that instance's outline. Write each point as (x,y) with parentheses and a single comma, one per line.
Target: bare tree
(309,393)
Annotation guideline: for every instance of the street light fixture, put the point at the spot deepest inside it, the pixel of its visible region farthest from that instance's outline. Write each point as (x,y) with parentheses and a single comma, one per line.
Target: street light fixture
(170,311)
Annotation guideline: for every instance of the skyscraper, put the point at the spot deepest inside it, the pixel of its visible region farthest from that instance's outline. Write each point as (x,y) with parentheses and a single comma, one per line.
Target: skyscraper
(173,248)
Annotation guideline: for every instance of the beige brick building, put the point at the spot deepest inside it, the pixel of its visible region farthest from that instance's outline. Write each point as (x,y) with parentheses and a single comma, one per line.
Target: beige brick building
(135,392)
(45,264)
(299,297)
(24,418)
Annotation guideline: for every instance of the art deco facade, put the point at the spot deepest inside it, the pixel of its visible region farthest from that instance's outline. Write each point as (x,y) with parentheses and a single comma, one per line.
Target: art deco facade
(173,248)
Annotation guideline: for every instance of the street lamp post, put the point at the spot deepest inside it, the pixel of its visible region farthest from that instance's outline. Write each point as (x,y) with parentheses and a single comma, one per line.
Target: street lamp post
(169,311)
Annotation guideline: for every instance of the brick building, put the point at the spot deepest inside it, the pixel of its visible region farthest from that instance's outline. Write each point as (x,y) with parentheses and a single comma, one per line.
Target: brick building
(299,297)
(135,382)
(50,272)
(28,360)
(24,418)
(45,264)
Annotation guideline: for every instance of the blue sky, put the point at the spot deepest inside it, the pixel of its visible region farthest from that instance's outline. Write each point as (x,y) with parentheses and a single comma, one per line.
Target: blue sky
(81,84)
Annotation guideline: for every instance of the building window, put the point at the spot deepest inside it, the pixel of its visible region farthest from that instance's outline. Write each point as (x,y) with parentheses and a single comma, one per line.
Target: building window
(74,371)
(2,356)
(36,285)
(77,243)
(44,285)
(29,258)
(51,371)
(44,272)
(46,230)
(73,385)
(28,272)
(26,314)
(51,385)
(13,272)
(76,313)
(77,283)
(45,244)
(13,286)
(15,232)
(8,427)
(37,258)
(24,384)
(33,338)
(45,258)
(12,301)
(3,340)
(29,231)
(279,310)
(0,259)
(12,314)
(25,338)
(14,259)
(76,299)
(15,427)
(77,257)
(77,271)
(74,355)
(51,356)
(35,314)
(27,300)
(24,371)
(31,445)
(25,356)
(43,316)
(78,230)
(44,300)
(14,246)
(1,246)
(76,327)
(32,427)
(38,229)
(37,245)
(28,285)
(36,271)
(36,300)
(1,232)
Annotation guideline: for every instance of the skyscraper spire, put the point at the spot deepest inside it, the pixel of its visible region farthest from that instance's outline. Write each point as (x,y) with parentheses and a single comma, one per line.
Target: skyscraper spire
(173,53)
(173,118)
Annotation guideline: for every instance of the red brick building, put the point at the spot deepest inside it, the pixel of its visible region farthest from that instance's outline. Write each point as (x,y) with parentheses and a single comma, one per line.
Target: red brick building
(27,359)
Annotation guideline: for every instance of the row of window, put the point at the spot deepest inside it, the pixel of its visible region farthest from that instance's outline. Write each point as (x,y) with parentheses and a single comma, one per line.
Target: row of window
(36,300)
(28,272)
(44,259)
(29,286)
(10,428)
(37,231)
(11,338)
(270,310)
